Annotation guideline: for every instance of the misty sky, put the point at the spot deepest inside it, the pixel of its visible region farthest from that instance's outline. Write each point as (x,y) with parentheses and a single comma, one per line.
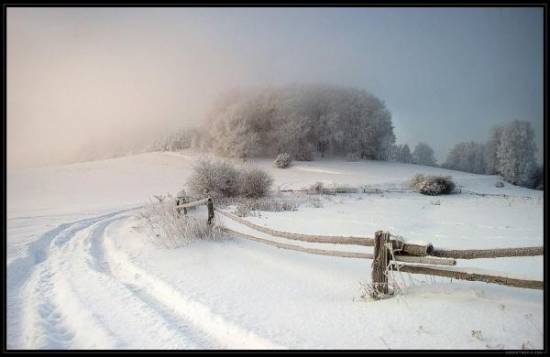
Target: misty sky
(91,79)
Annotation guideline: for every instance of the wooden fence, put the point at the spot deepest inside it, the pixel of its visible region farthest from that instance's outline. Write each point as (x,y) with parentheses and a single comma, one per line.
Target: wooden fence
(390,252)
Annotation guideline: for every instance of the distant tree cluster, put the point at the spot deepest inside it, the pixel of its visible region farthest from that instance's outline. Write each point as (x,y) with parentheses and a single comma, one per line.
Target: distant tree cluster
(401,153)
(509,152)
(469,157)
(179,140)
(301,120)
(422,154)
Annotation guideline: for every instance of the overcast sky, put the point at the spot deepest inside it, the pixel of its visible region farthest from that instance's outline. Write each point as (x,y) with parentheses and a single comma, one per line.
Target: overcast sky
(93,79)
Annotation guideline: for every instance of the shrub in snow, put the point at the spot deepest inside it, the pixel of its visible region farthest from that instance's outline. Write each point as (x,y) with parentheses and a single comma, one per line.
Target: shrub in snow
(246,206)
(254,182)
(353,156)
(416,179)
(213,178)
(172,229)
(282,161)
(432,185)
(499,184)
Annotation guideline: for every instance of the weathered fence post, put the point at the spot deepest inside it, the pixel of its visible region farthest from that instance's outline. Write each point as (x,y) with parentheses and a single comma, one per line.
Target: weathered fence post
(379,264)
(210,205)
(181,199)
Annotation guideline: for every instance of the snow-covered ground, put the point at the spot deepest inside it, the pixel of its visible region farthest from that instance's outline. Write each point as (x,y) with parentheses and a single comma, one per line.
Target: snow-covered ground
(83,273)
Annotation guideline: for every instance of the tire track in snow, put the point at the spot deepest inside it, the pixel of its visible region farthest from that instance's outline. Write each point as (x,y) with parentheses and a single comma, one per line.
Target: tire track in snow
(71,299)
(44,325)
(38,299)
(158,314)
(102,312)
(48,329)
(20,271)
(204,322)
(54,316)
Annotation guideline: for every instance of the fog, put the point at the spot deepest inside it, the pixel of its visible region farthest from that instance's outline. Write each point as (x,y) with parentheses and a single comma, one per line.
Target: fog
(92,81)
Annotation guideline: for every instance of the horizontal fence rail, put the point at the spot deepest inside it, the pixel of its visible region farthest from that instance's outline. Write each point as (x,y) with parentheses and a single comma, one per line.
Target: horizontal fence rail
(298,248)
(193,204)
(391,252)
(471,276)
(337,253)
(301,237)
(488,253)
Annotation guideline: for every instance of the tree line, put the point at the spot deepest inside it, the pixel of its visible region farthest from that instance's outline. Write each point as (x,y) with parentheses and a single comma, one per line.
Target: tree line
(509,152)
(311,120)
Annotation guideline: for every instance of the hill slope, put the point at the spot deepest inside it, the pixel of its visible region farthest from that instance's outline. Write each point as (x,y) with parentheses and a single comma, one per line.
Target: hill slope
(82,272)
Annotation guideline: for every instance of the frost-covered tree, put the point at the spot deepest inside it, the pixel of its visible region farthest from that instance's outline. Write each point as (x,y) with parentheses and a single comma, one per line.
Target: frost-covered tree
(516,153)
(301,120)
(491,147)
(235,132)
(400,153)
(405,154)
(179,139)
(469,157)
(537,178)
(423,154)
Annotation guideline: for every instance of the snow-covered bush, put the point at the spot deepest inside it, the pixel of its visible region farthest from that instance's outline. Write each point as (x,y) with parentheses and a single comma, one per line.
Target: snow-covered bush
(499,184)
(282,161)
(432,185)
(353,156)
(423,154)
(254,182)
(172,229)
(320,188)
(415,180)
(213,178)
(246,206)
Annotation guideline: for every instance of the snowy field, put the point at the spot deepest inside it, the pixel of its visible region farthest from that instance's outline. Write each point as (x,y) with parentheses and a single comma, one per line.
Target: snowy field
(83,273)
